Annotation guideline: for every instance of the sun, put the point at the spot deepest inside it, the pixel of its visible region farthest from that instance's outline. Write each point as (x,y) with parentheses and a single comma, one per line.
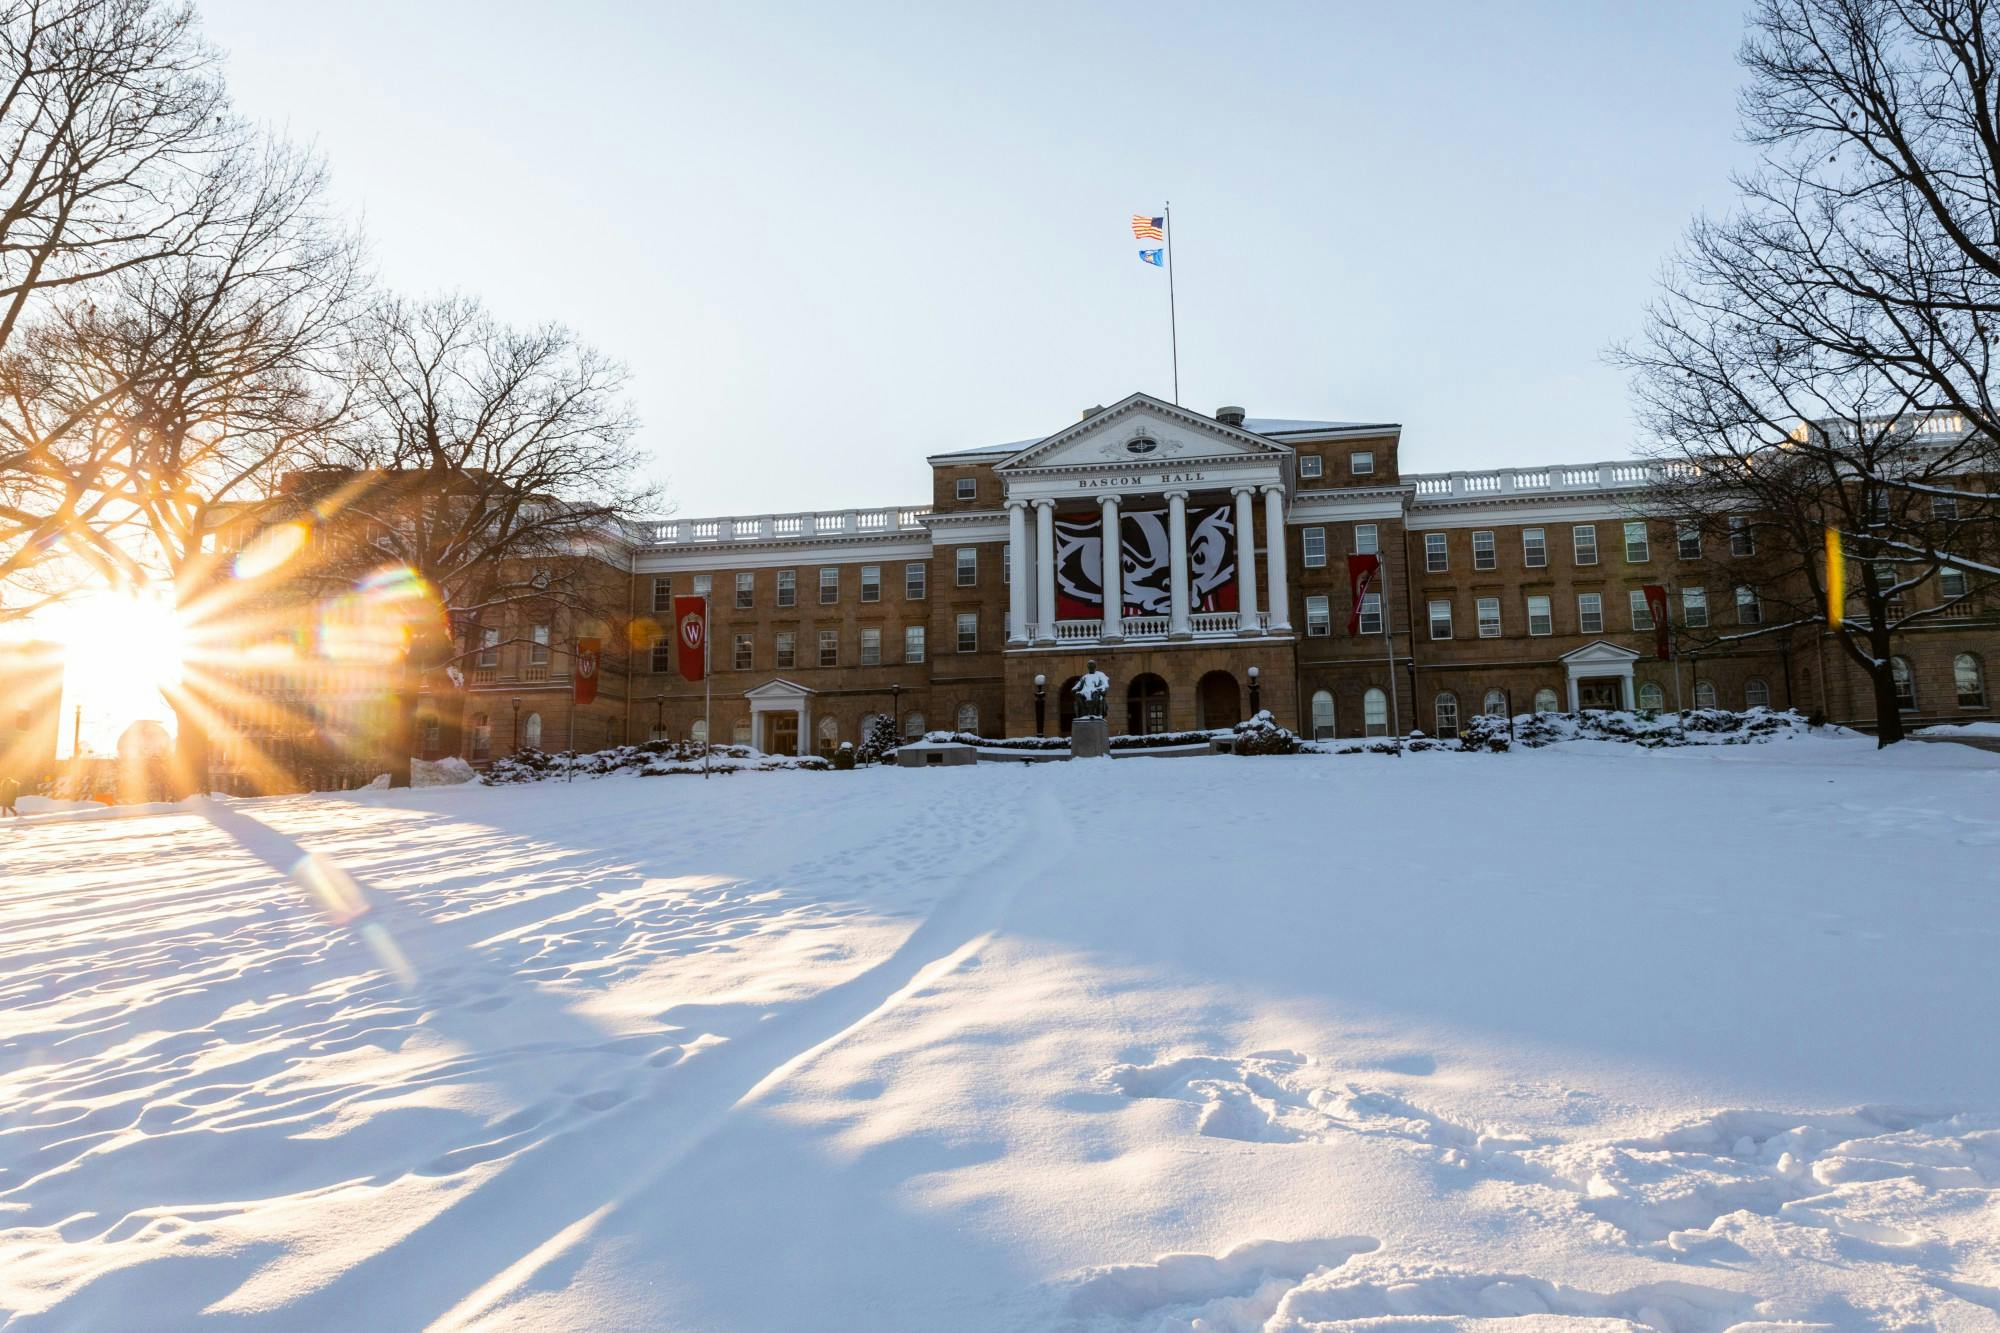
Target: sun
(121,655)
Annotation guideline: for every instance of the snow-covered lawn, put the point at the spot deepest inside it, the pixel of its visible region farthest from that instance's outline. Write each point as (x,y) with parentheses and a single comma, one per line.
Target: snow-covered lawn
(1588,1037)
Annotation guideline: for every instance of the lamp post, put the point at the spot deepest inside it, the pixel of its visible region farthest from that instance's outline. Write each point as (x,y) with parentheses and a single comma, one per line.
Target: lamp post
(1041,702)
(1256,692)
(517,724)
(659,717)
(895,708)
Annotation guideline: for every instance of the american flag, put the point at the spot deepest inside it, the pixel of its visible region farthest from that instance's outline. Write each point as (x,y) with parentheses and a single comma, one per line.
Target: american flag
(1147,229)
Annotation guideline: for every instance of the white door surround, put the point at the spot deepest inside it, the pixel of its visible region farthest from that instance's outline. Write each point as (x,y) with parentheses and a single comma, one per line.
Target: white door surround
(1599,658)
(779,696)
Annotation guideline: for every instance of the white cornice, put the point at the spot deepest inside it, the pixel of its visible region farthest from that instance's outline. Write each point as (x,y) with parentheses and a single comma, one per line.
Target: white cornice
(713,556)
(1247,443)
(1509,509)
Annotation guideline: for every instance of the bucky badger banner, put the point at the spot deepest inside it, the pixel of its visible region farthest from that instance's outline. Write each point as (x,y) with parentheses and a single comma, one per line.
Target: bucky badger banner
(1143,558)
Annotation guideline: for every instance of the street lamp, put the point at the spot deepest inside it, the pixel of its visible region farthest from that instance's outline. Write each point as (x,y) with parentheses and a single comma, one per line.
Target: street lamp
(895,708)
(1041,701)
(517,724)
(659,717)
(1256,705)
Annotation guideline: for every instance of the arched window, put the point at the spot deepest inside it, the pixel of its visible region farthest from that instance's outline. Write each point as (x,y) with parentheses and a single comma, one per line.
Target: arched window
(1651,697)
(1322,702)
(1906,683)
(740,733)
(968,718)
(829,735)
(1969,680)
(1447,714)
(913,727)
(1495,703)
(531,731)
(1375,713)
(1546,702)
(1704,694)
(698,733)
(481,736)
(1756,693)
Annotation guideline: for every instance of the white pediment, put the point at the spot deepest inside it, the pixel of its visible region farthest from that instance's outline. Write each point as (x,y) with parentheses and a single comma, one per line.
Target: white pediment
(1599,653)
(778,688)
(1144,431)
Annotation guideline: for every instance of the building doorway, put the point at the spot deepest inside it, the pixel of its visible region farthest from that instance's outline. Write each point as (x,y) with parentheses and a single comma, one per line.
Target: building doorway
(1066,706)
(781,733)
(1146,706)
(1600,692)
(1218,702)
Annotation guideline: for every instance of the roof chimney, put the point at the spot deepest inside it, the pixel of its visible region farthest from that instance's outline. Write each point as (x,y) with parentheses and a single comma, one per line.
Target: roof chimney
(1229,416)
(1090,412)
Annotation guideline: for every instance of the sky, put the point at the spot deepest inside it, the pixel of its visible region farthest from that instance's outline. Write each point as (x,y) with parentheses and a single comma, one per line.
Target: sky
(829,240)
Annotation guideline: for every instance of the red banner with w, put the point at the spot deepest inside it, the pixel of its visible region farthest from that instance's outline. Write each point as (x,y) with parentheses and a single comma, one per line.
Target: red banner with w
(1656,604)
(1361,572)
(583,671)
(691,636)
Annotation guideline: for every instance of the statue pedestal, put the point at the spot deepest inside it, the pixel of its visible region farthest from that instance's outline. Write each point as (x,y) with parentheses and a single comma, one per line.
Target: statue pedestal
(1090,738)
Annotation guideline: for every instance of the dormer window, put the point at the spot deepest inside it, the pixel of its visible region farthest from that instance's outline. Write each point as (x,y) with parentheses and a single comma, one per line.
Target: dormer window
(1139,444)
(1361,463)
(967,489)
(1309,465)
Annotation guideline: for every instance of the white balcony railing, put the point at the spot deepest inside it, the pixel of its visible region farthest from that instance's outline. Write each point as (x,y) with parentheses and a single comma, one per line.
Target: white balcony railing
(783,527)
(1203,624)
(1625,474)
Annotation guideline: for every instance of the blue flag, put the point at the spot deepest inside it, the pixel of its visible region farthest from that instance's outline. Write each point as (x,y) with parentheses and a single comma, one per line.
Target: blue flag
(1153,257)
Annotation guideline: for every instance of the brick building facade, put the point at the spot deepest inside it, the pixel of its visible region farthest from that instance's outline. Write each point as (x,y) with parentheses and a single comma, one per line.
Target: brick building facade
(1512,589)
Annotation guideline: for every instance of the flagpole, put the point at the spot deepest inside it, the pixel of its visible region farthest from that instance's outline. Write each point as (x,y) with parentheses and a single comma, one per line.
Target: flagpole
(1389,640)
(707,694)
(1173,320)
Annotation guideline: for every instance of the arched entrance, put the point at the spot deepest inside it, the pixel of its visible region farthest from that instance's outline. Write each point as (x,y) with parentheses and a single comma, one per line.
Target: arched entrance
(1145,705)
(1218,702)
(1066,705)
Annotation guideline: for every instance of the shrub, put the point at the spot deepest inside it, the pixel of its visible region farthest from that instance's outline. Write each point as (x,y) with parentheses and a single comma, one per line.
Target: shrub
(1262,735)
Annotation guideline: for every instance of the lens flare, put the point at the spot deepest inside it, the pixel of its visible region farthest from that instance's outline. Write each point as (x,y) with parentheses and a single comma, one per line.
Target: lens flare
(271,550)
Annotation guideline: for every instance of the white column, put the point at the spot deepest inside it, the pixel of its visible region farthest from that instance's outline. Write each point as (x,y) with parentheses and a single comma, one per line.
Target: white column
(1177,564)
(1113,573)
(1246,562)
(1017,573)
(1045,571)
(1277,589)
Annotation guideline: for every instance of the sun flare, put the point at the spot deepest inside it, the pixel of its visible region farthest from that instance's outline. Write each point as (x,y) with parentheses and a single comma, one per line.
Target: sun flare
(121,655)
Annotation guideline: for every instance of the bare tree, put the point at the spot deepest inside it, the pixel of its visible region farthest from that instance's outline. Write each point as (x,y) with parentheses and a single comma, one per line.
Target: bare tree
(115,145)
(494,466)
(1821,359)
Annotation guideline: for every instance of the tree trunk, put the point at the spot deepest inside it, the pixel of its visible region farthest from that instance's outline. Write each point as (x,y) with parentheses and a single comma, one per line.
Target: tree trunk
(1888,715)
(402,737)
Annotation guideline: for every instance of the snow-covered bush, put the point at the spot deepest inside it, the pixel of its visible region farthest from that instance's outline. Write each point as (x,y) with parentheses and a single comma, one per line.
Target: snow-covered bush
(843,758)
(1262,735)
(879,745)
(651,759)
(1486,731)
(1697,726)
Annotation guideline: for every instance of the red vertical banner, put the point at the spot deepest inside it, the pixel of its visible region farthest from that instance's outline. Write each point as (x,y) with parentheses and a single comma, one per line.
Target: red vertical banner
(691,636)
(1656,606)
(583,671)
(1361,572)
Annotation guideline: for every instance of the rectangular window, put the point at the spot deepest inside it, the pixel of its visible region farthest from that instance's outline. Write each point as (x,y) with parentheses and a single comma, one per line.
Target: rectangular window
(871,583)
(1309,465)
(1642,614)
(968,631)
(787,645)
(913,643)
(745,656)
(967,488)
(1312,543)
(1951,582)
(1590,613)
(1484,556)
(1944,507)
(1749,611)
(1638,547)
(829,647)
(1742,541)
(871,647)
(1365,540)
(663,595)
(1540,622)
(1687,541)
(1694,607)
(1534,548)
(1361,463)
(1440,619)
(489,648)
(1488,609)
(1437,559)
(829,584)
(788,587)
(538,646)
(663,655)
(1319,618)
(914,580)
(1583,543)
(1371,613)
(1006,565)
(703,583)
(966,567)
(746,584)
